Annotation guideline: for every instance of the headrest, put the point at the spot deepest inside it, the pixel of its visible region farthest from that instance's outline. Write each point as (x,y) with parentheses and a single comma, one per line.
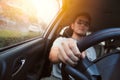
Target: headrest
(66,32)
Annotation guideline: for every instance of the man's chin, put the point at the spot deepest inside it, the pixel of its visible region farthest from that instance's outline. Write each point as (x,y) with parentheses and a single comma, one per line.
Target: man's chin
(80,34)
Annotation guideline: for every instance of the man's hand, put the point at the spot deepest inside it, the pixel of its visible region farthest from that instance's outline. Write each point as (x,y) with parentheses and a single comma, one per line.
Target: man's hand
(67,52)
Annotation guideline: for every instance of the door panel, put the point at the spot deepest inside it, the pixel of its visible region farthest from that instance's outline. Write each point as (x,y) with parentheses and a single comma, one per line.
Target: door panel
(23,62)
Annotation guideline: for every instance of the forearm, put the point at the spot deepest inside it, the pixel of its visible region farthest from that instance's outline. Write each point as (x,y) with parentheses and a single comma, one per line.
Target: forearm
(53,56)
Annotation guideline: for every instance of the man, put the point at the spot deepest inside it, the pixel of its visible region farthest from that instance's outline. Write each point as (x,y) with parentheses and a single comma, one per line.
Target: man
(65,49)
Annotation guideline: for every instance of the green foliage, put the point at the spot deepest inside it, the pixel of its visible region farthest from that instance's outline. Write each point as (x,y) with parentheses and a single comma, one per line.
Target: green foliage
(8,37)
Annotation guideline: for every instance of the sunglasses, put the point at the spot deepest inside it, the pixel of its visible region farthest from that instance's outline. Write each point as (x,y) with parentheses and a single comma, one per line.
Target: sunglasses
(86,23)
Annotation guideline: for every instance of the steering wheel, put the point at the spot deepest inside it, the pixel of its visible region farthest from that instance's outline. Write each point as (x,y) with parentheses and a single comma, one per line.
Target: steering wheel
(86,69)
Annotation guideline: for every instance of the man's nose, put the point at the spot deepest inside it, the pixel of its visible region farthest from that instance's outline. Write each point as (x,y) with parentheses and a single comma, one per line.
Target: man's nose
(83,25)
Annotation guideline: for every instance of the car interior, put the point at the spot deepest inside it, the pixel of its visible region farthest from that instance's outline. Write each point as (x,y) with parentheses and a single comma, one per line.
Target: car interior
(29,60)
(105,15)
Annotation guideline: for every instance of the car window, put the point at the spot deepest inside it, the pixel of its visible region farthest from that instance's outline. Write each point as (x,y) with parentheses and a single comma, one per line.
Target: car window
(22,20)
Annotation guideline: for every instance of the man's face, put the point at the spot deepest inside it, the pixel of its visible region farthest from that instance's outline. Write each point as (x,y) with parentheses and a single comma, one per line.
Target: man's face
(80,26)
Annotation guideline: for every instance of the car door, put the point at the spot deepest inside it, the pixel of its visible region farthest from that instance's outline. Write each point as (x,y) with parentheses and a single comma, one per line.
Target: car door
(24,43)
(20,61)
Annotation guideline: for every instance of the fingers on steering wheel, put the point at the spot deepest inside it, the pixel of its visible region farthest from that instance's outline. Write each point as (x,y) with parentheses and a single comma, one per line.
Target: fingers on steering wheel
(66,55)
(70,53)
(74,48)
(83,54)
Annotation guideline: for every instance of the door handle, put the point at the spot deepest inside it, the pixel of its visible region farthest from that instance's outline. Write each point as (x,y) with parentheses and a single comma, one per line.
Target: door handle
(22,62)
